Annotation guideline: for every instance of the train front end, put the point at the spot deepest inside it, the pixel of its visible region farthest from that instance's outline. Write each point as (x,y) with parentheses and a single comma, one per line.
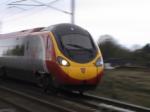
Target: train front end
(79,63)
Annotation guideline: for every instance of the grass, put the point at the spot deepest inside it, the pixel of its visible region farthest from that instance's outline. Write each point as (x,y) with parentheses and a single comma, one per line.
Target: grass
(131,86)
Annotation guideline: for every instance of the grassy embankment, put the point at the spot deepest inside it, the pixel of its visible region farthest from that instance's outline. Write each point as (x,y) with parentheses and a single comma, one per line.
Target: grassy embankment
(131,86)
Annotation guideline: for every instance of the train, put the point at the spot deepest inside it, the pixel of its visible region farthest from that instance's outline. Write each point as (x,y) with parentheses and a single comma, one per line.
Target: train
(61,55)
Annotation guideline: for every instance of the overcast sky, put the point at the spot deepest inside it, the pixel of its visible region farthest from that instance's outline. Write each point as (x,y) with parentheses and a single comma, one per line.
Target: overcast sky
(126,20)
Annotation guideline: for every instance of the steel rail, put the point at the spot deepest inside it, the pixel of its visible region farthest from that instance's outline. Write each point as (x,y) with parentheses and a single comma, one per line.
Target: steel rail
(17,107)
(110,102)
(104,104)
(35,99)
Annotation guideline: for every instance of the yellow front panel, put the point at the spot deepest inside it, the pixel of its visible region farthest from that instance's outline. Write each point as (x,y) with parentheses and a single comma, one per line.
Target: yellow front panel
(75,72)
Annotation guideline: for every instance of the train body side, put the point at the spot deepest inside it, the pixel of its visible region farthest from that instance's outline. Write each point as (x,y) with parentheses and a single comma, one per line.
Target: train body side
(24,52)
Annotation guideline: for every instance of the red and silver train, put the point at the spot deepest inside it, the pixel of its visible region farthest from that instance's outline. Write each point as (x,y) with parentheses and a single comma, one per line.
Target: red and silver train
(62,55)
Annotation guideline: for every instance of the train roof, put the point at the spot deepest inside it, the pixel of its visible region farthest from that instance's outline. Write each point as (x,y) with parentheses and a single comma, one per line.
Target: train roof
(66,28)
(59,28)
(22,32)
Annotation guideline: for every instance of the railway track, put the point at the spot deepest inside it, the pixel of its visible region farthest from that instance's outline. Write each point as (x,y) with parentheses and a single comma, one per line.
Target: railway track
(29,103)
(65,101)
(114,105)
(102,104)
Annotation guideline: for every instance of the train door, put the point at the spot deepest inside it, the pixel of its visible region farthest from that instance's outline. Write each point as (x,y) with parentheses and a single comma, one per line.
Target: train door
(48,48)
(32,52)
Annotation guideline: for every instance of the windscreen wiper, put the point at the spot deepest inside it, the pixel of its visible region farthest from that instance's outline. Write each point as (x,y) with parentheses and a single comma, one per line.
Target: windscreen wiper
(78,46)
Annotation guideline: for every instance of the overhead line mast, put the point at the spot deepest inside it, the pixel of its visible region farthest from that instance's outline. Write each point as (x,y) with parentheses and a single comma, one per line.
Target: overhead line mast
(72,11)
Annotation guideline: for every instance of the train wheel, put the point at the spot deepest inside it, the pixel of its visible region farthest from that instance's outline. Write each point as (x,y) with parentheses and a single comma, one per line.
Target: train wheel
(43,81)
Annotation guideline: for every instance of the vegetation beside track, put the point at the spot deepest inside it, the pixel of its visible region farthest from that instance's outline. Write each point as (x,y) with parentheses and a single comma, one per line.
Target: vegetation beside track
(126,85)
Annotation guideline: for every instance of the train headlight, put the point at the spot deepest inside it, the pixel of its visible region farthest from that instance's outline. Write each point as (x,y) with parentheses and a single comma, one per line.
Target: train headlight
(62,61)
(99,62)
